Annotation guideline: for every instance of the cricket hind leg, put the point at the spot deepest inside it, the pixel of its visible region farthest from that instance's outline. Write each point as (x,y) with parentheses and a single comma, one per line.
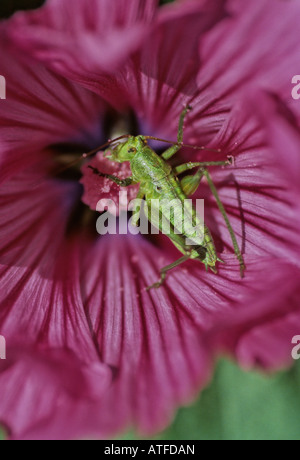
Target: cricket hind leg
(190,184)
(179,241)
(165,270)
(200,164)
(171,151)
(237,251)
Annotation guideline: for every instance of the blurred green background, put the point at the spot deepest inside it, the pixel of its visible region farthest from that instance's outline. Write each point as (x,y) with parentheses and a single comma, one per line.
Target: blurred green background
(240,405)
(236,405)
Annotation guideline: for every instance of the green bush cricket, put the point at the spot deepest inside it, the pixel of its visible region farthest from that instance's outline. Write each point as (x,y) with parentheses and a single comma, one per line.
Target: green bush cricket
(159,181)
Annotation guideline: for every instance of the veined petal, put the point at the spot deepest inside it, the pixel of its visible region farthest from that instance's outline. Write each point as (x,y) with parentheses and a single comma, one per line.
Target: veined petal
(41,109)
(48,393)
(32,272)
(50,348)
(154,76)
(248,49)
(82,40)
(284,137)
(145,337)
(161,77)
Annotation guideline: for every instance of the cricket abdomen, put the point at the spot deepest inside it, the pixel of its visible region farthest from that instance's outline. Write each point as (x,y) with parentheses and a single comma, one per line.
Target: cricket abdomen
(173,214)
(211,257)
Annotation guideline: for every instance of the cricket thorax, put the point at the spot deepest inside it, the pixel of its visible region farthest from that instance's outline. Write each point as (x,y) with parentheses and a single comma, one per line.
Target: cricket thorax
(147,166)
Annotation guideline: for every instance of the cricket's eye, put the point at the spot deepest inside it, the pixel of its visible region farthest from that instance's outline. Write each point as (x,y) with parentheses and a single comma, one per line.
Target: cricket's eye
(132,150)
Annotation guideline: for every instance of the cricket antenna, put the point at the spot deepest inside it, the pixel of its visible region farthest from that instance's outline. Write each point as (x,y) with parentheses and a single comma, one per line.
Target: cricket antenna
(92,152)
(181,144)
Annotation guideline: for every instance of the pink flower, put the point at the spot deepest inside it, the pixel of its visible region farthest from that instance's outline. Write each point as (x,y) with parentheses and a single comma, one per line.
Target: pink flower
(101,190)
(96,351)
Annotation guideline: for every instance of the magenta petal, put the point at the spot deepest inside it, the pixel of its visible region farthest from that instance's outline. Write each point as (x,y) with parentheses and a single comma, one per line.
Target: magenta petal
(48,394)
(81,39)
(41,109)
(53,374)
(257,45)
(34,272)
(153,346)
(284,136)
(45,283)
(150,78)
(269,346)
(163,73)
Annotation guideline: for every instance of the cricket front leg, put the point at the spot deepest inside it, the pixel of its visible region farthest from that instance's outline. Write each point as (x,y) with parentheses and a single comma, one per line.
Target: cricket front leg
(137,207)
(121,182)
(170,152)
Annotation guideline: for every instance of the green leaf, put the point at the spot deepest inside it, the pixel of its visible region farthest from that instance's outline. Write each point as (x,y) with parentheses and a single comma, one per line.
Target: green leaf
(241,405)
(2,434)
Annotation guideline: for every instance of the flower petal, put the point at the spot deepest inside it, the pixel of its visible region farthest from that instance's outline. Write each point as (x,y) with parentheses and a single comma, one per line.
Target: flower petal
(41,109)
(248,49)
(154,348)
(50,349)
(155,74)
(48,394)
(284,135)
(83,39)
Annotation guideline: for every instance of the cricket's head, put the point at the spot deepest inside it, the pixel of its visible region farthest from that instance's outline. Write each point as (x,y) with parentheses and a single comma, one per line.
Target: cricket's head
(125,151)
